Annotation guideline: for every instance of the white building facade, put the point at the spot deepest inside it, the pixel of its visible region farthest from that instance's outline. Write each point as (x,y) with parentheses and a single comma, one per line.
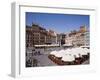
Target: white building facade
(78,38)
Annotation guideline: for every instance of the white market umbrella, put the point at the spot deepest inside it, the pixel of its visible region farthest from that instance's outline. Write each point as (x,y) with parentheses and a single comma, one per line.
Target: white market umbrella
(87,50)
(53,52)
(68,51)
(76,52)
(83,51)
(68,58)
(60,53)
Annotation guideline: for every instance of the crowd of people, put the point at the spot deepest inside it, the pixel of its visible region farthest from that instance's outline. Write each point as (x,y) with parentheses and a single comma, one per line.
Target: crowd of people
(30,60)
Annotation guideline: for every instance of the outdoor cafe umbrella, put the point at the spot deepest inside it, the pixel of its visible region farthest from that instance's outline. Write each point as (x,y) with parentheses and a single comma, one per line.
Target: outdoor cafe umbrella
(59,53)
(68,58)
(83,51)
(76,52)
(53,52)
(87,50)
(68,51)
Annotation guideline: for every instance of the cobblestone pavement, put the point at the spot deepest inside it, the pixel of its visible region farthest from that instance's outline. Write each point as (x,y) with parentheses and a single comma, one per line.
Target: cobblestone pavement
(43,60)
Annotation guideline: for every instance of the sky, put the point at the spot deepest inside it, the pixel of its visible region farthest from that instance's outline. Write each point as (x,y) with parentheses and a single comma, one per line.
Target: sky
(60,23)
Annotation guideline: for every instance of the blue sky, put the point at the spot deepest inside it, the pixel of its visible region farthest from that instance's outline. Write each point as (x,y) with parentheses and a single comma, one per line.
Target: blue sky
(60,23)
